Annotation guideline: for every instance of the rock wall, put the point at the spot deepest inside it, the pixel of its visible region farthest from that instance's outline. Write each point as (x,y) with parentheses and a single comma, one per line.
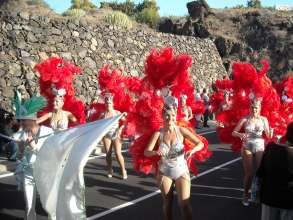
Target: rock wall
(28,39)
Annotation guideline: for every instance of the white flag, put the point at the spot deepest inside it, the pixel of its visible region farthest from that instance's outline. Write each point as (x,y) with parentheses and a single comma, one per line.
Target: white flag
(58,170)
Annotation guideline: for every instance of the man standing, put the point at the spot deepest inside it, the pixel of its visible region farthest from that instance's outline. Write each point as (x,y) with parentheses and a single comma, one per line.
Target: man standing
(206,100)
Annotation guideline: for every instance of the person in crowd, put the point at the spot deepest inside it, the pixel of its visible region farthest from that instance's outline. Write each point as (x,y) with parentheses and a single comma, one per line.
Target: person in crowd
(185,109)
(206,100)
(59,118)
(11,146)
(113,138)
(276,179)
(173,166)
(226,104)
(30,139)
(253,143)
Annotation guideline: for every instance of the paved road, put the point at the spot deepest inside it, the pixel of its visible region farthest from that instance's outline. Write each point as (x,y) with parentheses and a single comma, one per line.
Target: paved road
(216,192)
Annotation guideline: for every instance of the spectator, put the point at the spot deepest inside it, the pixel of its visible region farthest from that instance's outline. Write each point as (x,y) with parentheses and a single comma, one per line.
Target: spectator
(206,100)
(276,177)
(8,128)
(12,146)
(198,117)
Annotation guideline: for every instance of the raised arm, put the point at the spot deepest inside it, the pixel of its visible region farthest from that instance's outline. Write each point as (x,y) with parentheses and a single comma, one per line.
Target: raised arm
(149,151)
(43,118)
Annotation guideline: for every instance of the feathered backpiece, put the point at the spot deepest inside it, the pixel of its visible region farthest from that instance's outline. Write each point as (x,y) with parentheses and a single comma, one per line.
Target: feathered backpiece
(170,74)
(142,101)
(29,108)
(250,87)
(56,79)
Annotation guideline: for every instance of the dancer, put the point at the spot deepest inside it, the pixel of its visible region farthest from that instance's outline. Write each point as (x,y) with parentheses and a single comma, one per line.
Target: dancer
(113,138)
(56,85)
(226,103)
(30,143)
(165,143)
(253,143)
(173,165)
(186,110)
(59,118)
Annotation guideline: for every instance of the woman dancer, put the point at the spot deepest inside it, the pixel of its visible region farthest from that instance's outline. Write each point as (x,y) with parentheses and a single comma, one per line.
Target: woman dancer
(59,118)
(253,143)
(113,138)
(185,109)
(173,165)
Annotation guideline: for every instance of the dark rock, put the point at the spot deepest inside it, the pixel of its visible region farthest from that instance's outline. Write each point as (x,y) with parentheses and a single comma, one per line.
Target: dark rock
(198,9)
(166,25)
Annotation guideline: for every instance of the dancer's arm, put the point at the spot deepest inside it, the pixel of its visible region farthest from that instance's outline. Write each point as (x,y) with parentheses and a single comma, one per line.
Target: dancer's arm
(238,127)
(268,131)
(190,115)
(191,137)
(45,117)
(71,117)
(149,151)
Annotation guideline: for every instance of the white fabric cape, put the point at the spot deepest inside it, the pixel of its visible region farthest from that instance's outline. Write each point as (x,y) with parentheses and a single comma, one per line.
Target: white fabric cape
(58,170)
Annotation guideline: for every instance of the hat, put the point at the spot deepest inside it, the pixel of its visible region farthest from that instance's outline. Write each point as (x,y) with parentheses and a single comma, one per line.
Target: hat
(29,108)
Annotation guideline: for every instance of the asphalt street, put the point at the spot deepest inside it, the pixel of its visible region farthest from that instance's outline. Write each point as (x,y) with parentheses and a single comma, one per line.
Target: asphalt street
(215,193)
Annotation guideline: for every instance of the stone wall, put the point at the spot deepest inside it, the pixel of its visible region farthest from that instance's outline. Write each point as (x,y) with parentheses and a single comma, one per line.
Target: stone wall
(28,39)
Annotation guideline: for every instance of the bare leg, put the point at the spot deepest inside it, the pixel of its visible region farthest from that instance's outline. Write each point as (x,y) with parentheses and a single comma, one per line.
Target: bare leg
(247,159)
(183,191)
(108,147)
(166,186)
(258,158)
(119,156)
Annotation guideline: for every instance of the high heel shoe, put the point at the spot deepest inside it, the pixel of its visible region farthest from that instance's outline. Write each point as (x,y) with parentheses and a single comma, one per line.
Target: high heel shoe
(110,173)
(124,175)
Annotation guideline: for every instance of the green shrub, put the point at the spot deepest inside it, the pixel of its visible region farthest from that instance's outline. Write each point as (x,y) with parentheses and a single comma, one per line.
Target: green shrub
(117,18)
(146,12)
(82,4)
(128,7)
(254,4)
(149,16)
(147,4)
(75,13)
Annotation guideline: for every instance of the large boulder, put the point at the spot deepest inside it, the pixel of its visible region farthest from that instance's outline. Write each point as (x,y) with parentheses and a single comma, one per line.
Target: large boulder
(198,9)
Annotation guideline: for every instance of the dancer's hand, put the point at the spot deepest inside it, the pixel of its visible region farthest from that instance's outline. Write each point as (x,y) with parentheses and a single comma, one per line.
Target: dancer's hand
(189,154)
(30,142)
(159,153)
(243,136)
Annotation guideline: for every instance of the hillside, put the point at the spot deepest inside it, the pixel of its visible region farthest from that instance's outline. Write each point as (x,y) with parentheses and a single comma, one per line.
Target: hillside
(243,34)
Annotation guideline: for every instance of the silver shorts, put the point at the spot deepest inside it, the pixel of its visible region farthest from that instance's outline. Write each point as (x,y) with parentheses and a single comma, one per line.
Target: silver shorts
(254,145)
(112,134)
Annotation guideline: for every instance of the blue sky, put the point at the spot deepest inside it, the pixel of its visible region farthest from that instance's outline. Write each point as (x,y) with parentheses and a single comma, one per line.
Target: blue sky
(174,7)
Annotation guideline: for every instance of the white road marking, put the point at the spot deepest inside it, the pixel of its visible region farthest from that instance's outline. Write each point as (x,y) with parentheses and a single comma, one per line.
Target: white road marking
(215,196)
(124,205)
(216,187)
